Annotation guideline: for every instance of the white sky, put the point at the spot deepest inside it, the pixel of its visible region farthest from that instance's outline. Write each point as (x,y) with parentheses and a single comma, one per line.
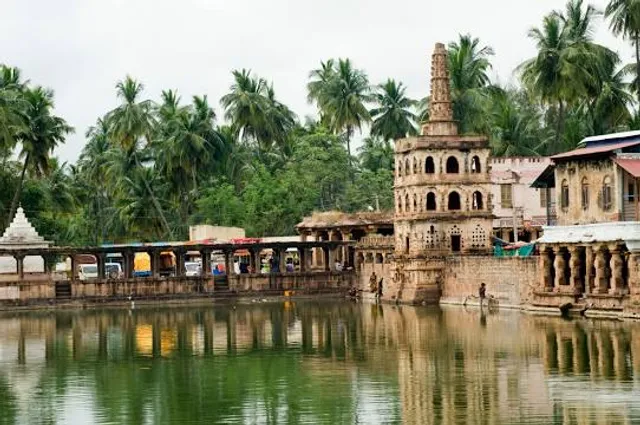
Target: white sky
(81,48)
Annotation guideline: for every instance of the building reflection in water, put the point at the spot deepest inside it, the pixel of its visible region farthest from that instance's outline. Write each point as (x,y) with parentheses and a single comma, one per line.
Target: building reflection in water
(317,362)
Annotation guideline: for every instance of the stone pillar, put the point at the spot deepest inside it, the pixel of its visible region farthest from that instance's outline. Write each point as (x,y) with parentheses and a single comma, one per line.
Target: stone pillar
(101,259)
(326,258)
(546,265)
(128,264)
(282,263)
(575,280)
(179,262)
(155,263)
(74,267)
(616,264)
(255,258)
(601,281)
(634,275)
(588,278)
(20,265)
(316,253)
(559,265)
(205,255)
(302,253)
(228,263)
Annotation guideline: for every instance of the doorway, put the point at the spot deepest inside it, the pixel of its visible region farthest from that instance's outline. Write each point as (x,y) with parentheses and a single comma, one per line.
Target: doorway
(456,243)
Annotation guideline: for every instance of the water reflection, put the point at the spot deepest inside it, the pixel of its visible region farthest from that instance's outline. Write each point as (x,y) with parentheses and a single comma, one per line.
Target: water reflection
(315,363)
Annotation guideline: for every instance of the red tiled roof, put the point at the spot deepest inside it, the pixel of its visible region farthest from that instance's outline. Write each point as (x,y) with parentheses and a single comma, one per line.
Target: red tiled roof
(595,150)
(632,166)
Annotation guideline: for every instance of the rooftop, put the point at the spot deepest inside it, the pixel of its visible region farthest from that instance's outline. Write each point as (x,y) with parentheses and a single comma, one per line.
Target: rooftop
(625,231)
(320,220)
(20,232)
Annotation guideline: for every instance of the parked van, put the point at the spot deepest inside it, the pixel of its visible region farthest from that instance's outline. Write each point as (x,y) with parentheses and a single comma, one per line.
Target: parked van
(87,271)
(192,268)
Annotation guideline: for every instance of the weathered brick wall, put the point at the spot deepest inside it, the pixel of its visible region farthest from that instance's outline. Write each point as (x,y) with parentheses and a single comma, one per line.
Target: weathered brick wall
(510,280)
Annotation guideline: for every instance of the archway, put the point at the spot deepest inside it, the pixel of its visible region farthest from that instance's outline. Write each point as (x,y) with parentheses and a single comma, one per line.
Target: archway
(431,201)
(454,201)
(477,201)
(452,165)
(429,166)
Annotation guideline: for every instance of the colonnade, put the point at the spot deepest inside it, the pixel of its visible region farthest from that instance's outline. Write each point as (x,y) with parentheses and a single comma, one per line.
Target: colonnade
(310,254)
(588,269)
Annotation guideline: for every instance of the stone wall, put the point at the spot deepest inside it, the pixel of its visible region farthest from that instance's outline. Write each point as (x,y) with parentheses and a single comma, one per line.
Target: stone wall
(511,280)
(309,281)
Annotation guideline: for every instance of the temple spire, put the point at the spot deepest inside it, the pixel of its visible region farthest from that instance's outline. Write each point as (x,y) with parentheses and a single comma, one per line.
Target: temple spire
(440,121)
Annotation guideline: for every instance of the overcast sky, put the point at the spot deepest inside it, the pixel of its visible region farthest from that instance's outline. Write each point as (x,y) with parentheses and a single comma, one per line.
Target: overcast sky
(81,48)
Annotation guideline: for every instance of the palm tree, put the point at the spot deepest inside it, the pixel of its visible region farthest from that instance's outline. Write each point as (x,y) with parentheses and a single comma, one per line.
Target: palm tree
(131,124)
(560,73)
(624,16)
(43,132)
(468,70)
(245,105)
(515,124)
(93,165)
(375,154)
(343,100)
(12,107)
(319,80)
(393,118)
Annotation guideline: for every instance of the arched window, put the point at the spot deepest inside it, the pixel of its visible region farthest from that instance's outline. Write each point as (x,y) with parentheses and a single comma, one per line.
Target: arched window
(564,194)
(607,199)
(407,167)
(415,202)
(477,201)
(379,258)
(407,205)
(429,166)
(399,205)
(454,201)
(399,167)
(585,193)
(475,164)
(431,201)
(415,166)
(452,165)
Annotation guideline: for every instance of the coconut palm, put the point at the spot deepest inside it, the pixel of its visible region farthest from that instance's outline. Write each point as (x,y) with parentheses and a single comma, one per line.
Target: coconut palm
(42,132)
(556,75)
(468,70)
(130,127)
(12,108)
(245,105)
(393,118)
(342,102)
(624,17)
(375,154)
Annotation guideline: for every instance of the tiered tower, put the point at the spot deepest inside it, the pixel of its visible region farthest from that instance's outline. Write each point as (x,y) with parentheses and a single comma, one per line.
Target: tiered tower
(442,194)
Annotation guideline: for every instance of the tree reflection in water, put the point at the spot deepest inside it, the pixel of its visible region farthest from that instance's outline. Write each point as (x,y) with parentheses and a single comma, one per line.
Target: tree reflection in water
(315,362)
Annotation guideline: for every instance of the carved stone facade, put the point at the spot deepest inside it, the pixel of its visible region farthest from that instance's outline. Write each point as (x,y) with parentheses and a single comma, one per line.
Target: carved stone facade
(443,196)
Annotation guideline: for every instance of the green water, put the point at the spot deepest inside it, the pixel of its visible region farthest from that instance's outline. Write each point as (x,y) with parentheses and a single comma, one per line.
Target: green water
(306,362)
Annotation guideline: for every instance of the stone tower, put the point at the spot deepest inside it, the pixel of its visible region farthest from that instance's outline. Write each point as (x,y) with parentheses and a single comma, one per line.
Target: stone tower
(442,194)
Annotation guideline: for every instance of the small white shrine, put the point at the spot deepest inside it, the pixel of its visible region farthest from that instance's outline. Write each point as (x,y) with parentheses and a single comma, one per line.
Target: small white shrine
(21,235)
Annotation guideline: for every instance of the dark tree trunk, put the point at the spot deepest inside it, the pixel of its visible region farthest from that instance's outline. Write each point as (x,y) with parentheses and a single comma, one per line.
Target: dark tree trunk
(156,204)
(16,196)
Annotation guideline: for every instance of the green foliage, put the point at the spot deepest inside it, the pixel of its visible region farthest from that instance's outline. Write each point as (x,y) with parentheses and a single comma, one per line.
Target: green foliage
(150,169)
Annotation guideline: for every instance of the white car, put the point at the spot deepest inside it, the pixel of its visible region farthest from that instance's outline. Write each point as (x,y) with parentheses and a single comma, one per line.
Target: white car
(192,269)
(88,271)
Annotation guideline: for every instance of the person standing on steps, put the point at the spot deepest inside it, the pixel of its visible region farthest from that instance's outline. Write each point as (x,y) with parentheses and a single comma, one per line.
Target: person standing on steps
(482,293)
